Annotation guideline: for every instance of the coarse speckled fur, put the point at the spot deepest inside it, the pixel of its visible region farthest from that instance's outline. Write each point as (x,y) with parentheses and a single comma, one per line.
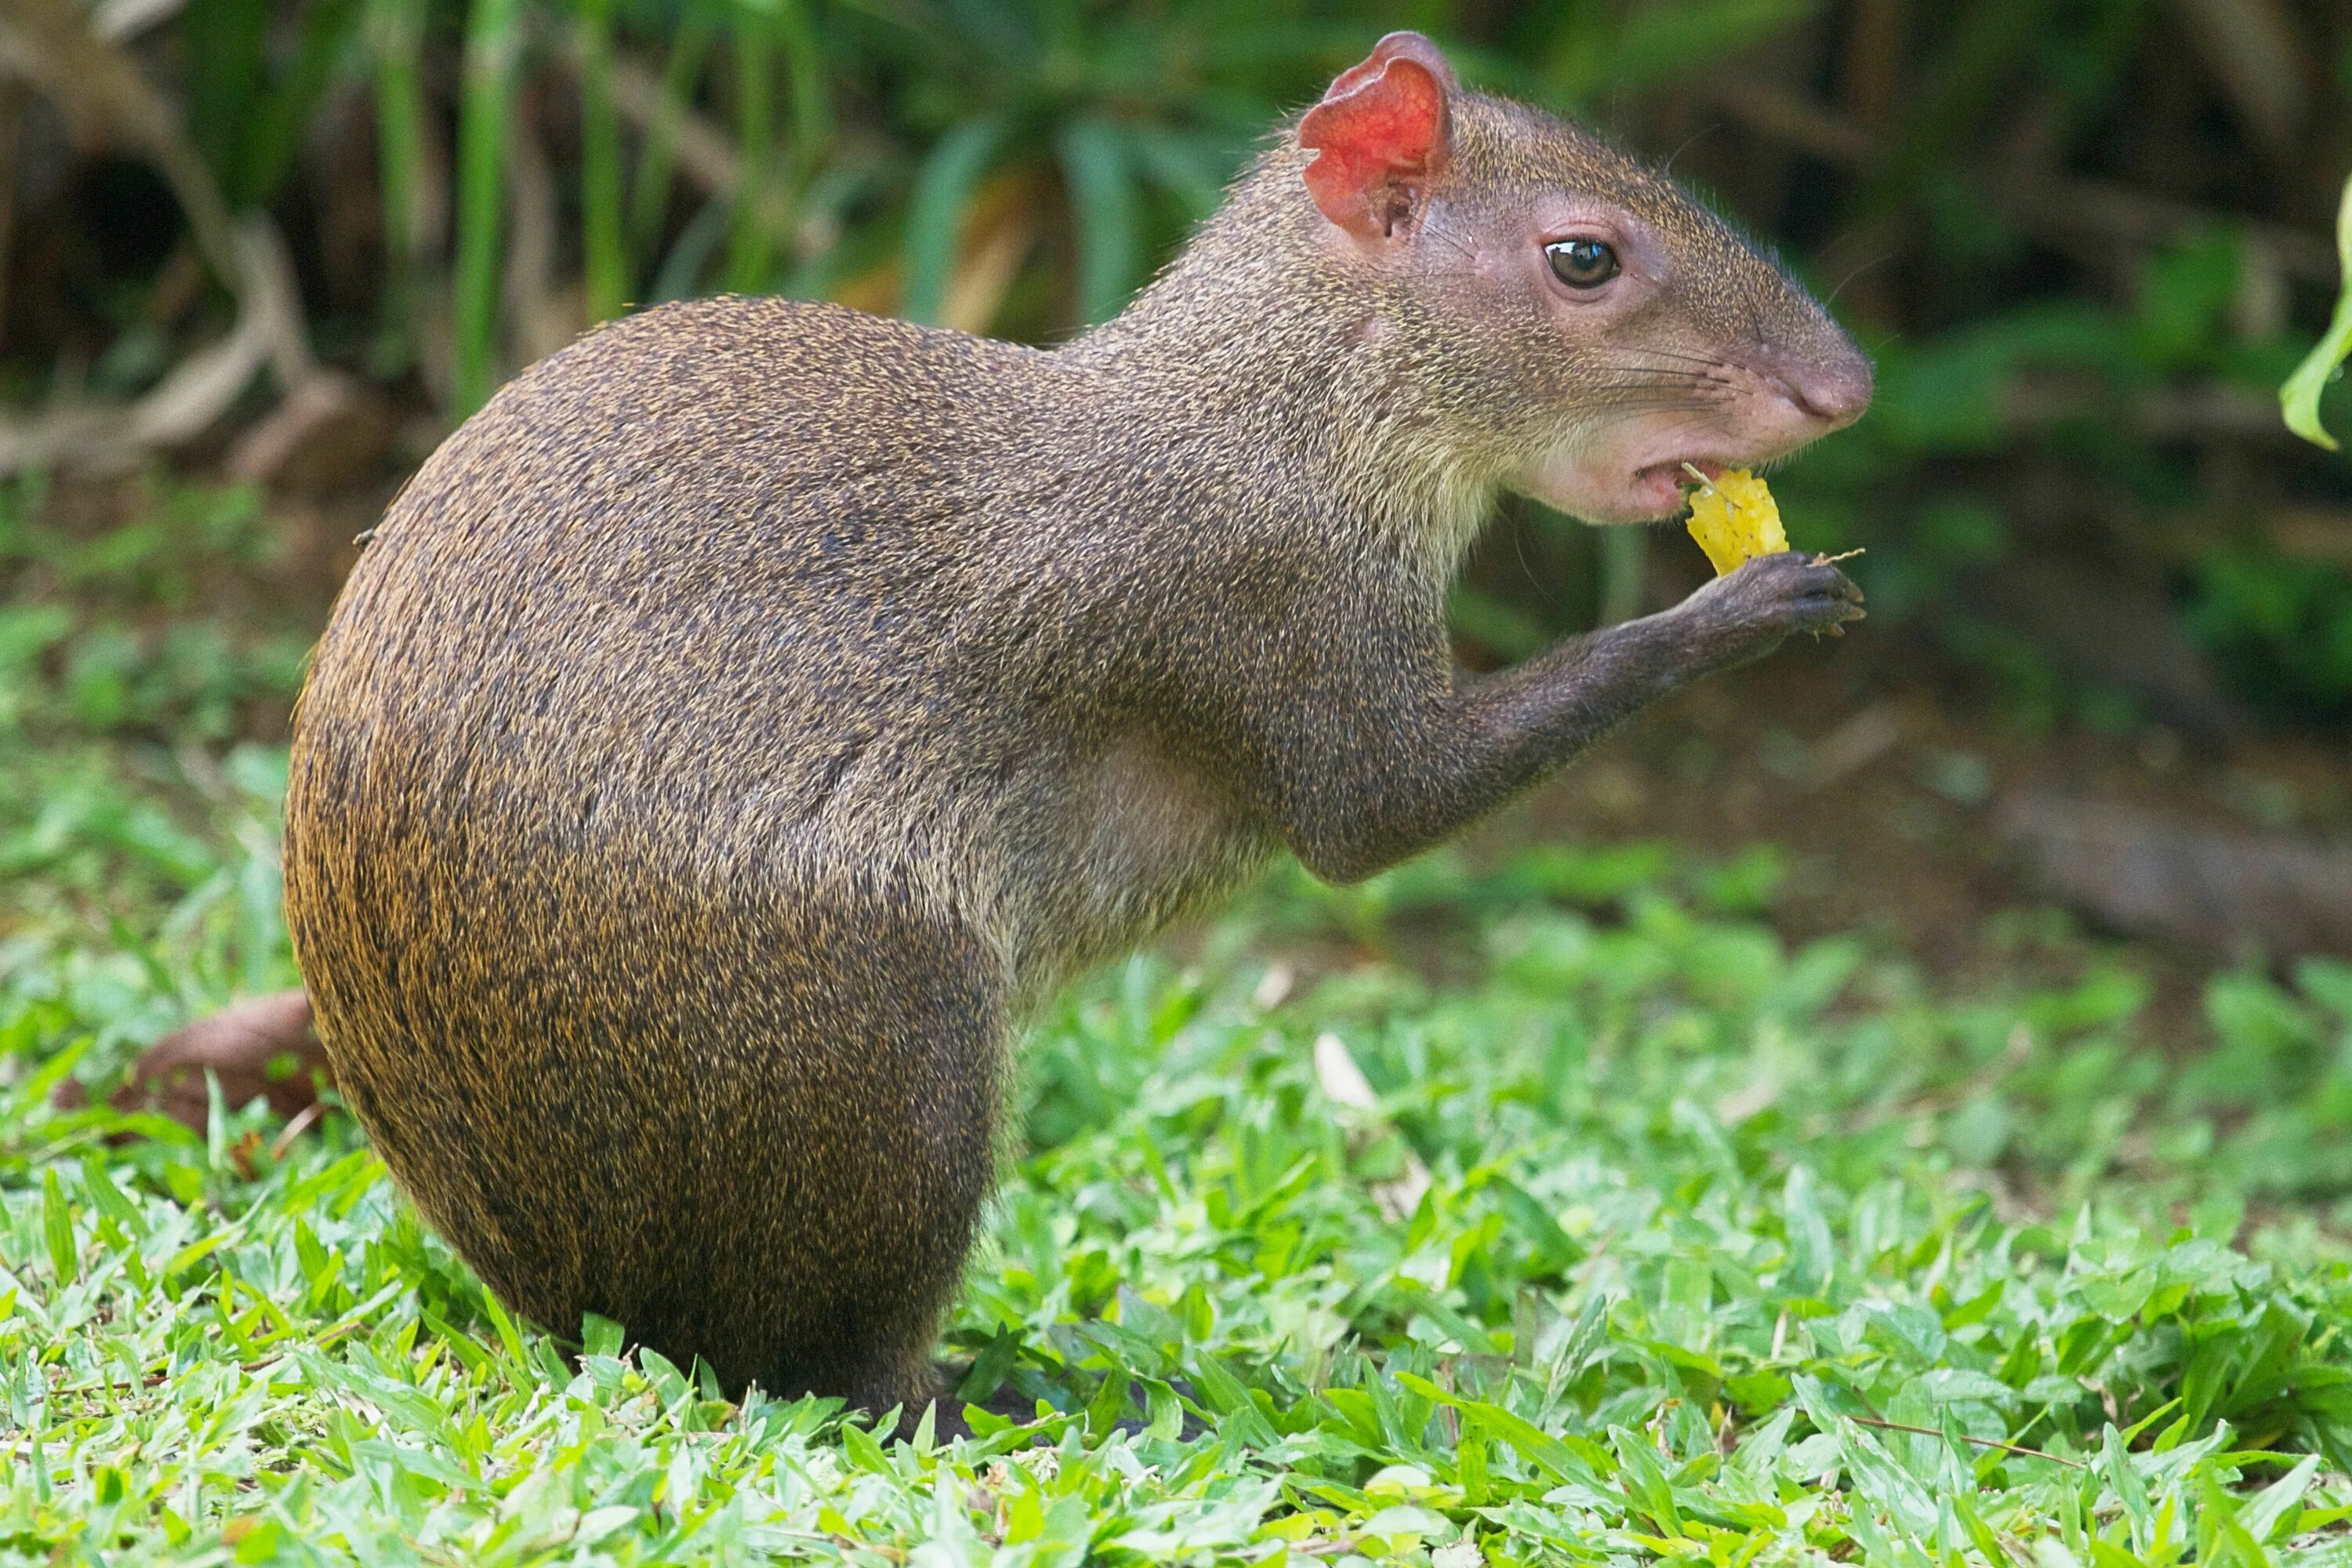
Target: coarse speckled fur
(740,724)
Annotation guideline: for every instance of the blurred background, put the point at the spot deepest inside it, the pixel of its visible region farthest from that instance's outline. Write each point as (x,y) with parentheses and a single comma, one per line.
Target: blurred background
(256,256)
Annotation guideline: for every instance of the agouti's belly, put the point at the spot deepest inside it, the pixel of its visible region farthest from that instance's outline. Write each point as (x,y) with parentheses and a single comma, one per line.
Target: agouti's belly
(1136,842)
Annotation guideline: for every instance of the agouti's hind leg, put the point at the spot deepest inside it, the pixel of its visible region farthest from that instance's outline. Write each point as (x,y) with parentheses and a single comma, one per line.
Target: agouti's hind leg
(906,1379)
(846,1149)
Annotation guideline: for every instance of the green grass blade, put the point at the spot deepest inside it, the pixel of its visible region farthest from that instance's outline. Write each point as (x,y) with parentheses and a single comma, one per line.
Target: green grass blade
(604,234)
(649,197)
(493,35)
(2299,398)
(1625,561)
(395,38)
(227,44)
(805,62)
(1193,167)
(274,135)
(58,1229)
(1108,218)
(935,219)
(681,270)
(750,256)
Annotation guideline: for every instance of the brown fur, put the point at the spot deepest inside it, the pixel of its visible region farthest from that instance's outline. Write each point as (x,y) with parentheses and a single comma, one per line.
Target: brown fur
(740,724)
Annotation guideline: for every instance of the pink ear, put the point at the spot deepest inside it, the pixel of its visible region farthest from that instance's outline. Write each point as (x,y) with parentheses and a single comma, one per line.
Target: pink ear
(1379,134)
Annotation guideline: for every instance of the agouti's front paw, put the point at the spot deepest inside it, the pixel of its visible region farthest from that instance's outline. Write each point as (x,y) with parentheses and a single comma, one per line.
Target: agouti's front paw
(1747,614)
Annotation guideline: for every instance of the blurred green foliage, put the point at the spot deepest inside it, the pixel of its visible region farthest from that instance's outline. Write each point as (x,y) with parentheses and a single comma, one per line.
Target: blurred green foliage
(2082,240)
(130,658)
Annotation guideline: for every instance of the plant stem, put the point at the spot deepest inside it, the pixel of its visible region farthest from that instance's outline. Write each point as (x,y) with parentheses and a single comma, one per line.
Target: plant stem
(750,255)
(492,39)
(603,236)
(2021,1451)
(395,34)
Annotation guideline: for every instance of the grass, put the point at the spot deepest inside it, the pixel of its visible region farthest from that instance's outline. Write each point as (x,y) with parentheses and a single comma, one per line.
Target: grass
(1555,1210)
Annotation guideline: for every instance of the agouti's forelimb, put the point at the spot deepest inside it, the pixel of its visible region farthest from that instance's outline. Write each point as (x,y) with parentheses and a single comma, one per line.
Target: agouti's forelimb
(738,727)
(1398,754)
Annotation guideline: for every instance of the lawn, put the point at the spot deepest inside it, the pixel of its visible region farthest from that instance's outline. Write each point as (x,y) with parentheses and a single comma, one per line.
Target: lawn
(1521,1208)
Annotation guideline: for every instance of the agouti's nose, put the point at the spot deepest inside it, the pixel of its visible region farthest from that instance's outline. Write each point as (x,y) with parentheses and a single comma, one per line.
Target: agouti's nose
(1834,391)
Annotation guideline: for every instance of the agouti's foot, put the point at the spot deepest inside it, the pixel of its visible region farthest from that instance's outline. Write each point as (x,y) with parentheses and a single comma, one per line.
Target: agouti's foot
(1748,613)
(908,1387)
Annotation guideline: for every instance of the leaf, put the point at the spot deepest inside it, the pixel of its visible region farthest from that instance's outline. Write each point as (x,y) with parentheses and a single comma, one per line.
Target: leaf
(599,1336)
(58,1229)
(2299,397)
(2114,1464)
(1812,1256)
(2275,1505)
(935,217)
(1553,1454)
(1227,1396)
(1102,203)
(504,1325)
(1878,1478)
(864,1451)
(1645,1479)
(493,30)
(108,1198)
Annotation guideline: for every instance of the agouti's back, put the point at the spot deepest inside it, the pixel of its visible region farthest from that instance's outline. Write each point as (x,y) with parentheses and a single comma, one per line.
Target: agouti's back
(651,567)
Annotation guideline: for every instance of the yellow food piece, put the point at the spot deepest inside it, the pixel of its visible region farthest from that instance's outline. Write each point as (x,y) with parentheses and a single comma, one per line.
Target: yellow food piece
(1734,519)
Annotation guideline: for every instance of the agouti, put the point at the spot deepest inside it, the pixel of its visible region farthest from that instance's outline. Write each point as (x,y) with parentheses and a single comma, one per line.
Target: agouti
(739,725)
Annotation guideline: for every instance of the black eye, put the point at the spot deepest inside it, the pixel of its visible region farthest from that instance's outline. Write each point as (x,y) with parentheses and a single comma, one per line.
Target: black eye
(1582,263)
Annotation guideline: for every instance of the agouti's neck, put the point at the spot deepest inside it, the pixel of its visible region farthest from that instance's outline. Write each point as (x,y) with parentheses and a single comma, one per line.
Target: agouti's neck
(1257,348)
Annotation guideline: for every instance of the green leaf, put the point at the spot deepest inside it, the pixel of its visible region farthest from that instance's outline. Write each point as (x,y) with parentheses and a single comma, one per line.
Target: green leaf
(864,1451)
(2299,398)
(1564,1462)
(58,1229)
(2131,1492)
(935,217)
(108,1198)
(1812,1256)
(493,30)
(2275,1504)
(504,1325)
(1102,202)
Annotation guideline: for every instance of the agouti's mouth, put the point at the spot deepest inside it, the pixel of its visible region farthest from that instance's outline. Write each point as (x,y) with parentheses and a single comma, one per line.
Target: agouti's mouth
(1677,471)
(1592,486)
(1656,489)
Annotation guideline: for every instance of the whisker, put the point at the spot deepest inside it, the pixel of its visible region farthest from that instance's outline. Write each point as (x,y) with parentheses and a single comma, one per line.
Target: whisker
(1693,389)
(1713,360)
(1705,131)
(1857,272)
(1698,395)
(1663,376)
(1633,402)
(1669,375)
(1460,247)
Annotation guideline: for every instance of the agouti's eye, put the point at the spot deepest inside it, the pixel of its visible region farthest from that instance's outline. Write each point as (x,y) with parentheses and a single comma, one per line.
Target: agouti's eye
(1582,263)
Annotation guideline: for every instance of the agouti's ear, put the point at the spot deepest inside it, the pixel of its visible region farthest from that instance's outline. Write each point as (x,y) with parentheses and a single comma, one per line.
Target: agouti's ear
(1378,135)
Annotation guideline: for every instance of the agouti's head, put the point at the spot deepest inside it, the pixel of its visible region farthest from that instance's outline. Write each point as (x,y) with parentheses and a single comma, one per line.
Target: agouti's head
(1581,324)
